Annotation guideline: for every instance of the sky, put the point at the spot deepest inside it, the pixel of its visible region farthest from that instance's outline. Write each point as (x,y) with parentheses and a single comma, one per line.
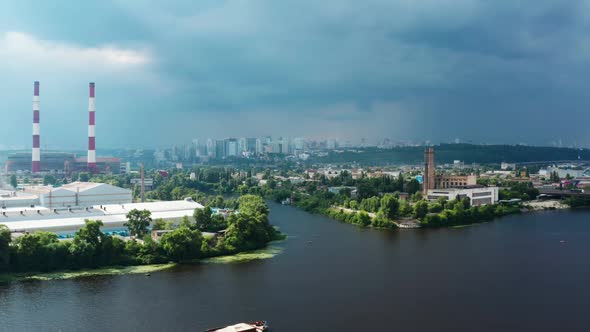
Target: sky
(502,71)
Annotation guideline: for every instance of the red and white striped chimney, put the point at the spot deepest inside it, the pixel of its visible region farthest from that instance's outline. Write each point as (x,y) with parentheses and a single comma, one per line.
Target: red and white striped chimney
(36,153)
(91,133)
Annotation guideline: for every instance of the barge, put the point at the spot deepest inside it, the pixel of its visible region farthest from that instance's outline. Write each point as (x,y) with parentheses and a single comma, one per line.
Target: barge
(258,326)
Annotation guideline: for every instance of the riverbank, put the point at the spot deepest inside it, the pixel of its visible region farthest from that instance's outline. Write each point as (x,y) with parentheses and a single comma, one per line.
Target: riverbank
(546,205)
(64,275)
(241,257)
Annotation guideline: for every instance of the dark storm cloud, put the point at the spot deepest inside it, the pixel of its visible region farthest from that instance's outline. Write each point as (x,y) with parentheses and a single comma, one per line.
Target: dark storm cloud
(496,71)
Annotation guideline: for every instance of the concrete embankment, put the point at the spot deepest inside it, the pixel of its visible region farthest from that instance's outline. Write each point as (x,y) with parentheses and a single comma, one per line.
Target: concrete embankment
(547,205)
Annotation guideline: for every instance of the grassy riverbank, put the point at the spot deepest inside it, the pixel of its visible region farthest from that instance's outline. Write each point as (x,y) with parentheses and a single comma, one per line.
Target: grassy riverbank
(264,253)
(105,271)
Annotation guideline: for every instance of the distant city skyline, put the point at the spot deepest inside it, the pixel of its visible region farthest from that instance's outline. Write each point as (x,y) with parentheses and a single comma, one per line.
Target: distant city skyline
(416,71)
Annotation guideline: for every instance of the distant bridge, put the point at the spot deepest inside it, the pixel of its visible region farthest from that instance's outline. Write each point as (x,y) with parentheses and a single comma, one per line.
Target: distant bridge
(542,162)
(564,193)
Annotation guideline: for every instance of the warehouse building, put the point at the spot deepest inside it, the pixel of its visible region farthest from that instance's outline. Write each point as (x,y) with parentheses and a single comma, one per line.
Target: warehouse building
(113,216)
(79,194)
(60,163)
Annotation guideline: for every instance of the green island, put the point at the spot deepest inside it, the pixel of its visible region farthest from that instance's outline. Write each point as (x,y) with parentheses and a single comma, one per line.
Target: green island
(42,256)
(370,209)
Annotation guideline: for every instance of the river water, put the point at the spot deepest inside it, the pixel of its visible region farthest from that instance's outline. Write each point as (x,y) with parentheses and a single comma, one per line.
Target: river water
(514,274)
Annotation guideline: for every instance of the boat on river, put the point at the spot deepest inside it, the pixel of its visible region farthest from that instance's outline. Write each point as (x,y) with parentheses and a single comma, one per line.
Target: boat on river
(258,326)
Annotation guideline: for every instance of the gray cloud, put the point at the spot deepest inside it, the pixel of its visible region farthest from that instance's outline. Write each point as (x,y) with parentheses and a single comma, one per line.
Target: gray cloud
(495,71)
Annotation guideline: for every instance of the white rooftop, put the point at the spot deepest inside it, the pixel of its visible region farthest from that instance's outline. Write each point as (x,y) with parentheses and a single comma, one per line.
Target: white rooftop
(111,215)
(73,187)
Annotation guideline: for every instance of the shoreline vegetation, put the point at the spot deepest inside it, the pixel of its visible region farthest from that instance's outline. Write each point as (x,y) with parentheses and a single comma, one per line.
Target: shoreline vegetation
(265,253)
(93,252)
(375,206)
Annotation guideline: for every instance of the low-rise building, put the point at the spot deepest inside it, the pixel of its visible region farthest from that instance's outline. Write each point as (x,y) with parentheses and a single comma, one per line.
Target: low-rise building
(113,216)
(453,181)
(478,195)
(157,234)
(79,194)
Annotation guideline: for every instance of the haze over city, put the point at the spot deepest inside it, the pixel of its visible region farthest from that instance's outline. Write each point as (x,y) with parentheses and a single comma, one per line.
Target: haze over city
(497,72)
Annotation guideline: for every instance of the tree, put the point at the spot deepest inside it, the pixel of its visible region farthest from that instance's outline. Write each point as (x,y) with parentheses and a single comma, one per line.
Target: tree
(4,247)
(370,204)
(413,186)
(185,222)
(49,180)
(405,209)
(86,249)
(435,208)
(159,224)
(203,218)
(83,177)
(138,222)
(182,243)
(13,181)
(420,209)
(389,206)
(416,197)
(363,218)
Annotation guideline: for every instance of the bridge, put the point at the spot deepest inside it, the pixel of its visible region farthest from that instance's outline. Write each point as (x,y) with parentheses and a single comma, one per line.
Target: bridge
(564,193)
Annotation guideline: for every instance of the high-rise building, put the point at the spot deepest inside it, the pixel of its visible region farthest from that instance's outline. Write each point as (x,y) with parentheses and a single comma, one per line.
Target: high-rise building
(210,147)
(242,145)
(231,147)
(259,147)
(220,149)
(195,147)
(251,145)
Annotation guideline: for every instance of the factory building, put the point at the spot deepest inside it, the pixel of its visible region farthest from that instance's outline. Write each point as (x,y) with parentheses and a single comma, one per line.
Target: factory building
(478,195)
(60,163)
(79,194)
(451,181)
(451,186)
(442,181)
(38,161)
(113,216)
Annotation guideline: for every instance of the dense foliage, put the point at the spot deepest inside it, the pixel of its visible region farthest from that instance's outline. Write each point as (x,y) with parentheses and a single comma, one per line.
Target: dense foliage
(92,248)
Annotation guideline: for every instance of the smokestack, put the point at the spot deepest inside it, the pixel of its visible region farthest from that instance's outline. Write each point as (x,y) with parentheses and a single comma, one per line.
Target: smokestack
(36,153)
(91,133)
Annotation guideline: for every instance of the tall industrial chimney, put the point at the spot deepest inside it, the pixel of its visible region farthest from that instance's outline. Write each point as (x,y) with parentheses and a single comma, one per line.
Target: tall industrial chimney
(91,133)
(36,154)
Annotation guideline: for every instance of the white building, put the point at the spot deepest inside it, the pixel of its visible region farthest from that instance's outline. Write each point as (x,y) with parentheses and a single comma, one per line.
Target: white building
(477,195)
(79,194)
(508,166)
(113,216)
(259,148)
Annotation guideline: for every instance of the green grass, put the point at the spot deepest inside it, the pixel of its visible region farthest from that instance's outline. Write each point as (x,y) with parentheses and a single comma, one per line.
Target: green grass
(63,275)
(266,253)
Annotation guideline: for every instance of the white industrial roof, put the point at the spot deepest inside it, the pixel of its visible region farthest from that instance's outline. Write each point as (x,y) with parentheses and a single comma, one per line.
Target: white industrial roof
(82,186)
(73,187)
(111,215)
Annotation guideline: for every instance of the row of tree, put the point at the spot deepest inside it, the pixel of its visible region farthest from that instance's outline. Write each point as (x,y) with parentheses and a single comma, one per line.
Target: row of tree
(92,248)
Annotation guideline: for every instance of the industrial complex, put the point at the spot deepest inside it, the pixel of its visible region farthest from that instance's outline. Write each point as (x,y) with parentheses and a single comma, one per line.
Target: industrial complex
(113,216)
(38,161)
(64,209)
(452,186)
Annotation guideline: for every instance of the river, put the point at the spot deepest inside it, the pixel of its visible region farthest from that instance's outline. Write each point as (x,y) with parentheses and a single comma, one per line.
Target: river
(521,273)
